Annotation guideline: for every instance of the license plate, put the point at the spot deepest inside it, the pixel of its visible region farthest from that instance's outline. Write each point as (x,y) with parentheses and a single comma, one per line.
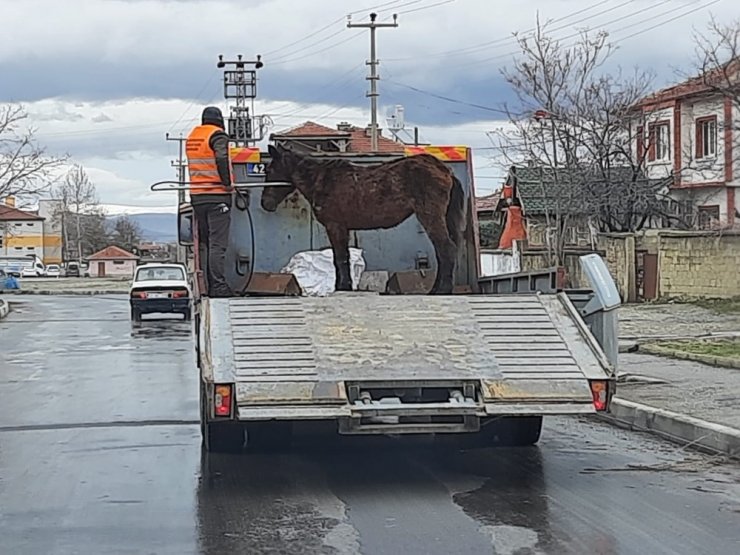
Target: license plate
(256,169)
(157,295)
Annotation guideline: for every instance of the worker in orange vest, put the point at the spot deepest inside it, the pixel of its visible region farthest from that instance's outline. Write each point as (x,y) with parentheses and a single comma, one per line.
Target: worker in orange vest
(207,150)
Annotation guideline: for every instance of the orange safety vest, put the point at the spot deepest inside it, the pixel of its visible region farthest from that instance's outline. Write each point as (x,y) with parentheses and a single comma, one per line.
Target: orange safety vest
(202,162)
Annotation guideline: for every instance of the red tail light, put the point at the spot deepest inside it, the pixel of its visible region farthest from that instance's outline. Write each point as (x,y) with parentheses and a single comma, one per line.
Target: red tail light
(179,294)
(599,392)
(138,295)
(222,400)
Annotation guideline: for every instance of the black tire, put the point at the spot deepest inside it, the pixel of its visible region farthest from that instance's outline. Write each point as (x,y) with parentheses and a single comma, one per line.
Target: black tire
(509,431)
(269,436)
(187,316)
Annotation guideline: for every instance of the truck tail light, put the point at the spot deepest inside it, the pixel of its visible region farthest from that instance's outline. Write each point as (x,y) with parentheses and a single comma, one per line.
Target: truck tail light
(222,400)
(179,294)
(599,392)
(138,295)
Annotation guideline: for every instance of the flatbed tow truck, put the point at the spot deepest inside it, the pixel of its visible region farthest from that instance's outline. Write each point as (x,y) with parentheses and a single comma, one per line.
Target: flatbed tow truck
(487,363)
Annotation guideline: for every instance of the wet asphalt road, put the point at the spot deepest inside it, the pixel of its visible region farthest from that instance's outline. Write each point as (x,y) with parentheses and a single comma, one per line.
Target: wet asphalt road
(100,453)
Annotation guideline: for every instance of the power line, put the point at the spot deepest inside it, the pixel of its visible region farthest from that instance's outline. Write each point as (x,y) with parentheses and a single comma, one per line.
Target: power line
(449,99)
(422,8)
(510,39)
(572,35)
(306,47)
(192,103)
(334,45)
(329,25)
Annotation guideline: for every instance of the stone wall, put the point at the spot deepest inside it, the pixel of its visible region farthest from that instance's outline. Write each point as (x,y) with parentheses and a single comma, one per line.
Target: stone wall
(691,264)
(694,265)
(537,259)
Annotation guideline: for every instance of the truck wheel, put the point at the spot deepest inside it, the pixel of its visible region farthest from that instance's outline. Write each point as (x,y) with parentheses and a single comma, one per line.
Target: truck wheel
(269,436)
(135,315)
(509,431)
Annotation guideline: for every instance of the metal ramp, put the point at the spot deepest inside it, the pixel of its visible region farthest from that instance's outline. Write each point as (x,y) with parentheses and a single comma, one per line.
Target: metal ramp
(307,357)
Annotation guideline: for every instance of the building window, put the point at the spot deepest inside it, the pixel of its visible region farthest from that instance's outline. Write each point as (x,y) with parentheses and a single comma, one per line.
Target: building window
(19,248)
(29,225)
(660,142)
(29,248)
(708,216)
(118,262)
(706,137)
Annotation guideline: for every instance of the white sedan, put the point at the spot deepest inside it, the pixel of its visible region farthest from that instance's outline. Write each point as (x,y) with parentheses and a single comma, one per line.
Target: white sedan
(160,288)
(53,270)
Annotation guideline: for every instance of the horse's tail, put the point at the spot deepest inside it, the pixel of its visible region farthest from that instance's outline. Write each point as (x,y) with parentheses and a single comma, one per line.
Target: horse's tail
(456,212)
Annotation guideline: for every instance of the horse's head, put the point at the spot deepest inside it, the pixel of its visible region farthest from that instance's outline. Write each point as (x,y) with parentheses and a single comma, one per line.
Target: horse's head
(281,167)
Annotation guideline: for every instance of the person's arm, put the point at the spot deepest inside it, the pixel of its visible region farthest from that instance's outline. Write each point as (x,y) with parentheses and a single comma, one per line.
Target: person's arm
(220,144)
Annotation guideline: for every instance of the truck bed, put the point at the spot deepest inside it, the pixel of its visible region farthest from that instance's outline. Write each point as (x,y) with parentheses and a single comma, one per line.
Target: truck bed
(304,358)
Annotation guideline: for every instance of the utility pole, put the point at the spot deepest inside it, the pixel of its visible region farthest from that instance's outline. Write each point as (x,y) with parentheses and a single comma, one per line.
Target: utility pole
(180,164)
(240,84)
(373,77)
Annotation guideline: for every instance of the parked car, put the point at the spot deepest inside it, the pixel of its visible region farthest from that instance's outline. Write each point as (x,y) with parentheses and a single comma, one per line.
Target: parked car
(77,269)
(35,269)
(73,269)
(53,270)
(160,288)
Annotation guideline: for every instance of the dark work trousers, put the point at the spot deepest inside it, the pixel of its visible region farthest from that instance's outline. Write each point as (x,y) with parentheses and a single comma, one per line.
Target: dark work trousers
(213,220)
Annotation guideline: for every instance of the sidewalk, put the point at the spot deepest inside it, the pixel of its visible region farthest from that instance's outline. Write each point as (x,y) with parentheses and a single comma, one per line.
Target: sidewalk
(682,400)
(687,387)
(71,286)
(667,321)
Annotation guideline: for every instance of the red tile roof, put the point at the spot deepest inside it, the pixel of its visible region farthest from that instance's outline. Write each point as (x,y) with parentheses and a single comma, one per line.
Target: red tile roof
(360,142)
(113,253)
(310,129)
(694,86)
(9,214)
(358,139)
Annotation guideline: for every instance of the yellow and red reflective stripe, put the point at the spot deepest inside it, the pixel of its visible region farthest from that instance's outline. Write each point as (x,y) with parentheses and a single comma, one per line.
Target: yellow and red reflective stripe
(445,153)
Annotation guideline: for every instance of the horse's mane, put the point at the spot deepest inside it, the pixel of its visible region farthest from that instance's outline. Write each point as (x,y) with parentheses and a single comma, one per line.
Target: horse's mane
(334,163)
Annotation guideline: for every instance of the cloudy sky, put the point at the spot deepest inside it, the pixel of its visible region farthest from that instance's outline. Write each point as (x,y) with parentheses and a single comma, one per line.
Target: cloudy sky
(104,80)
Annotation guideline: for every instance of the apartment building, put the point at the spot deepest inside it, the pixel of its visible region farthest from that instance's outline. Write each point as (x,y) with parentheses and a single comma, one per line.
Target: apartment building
(692,132)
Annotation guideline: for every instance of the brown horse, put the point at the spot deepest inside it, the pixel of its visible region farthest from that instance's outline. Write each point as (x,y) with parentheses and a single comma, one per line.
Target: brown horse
(345,197)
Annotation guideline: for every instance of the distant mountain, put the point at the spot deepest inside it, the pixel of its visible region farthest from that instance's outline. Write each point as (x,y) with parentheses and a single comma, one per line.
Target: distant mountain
(160,227)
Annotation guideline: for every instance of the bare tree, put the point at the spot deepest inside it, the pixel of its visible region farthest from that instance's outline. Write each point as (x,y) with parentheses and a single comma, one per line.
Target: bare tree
(126,233)
(25,167)
(578,124)
(79,213)
(718,58)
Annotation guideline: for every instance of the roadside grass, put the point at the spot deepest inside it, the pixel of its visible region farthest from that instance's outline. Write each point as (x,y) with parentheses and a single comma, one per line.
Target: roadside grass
(720,306)
(728,348)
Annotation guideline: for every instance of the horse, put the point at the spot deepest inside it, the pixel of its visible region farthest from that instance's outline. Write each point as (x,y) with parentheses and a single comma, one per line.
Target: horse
(346,196)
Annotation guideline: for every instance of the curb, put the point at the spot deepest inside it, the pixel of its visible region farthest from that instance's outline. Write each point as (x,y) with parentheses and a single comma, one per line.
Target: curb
(678,428)
(66,292)
(725,362)
(4,308)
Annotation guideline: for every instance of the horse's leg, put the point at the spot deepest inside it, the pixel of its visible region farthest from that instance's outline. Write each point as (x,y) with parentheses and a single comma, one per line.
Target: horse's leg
(444,250)
(339,239)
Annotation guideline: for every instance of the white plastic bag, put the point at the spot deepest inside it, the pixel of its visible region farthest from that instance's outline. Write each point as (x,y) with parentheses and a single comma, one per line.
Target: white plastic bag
(315,271)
